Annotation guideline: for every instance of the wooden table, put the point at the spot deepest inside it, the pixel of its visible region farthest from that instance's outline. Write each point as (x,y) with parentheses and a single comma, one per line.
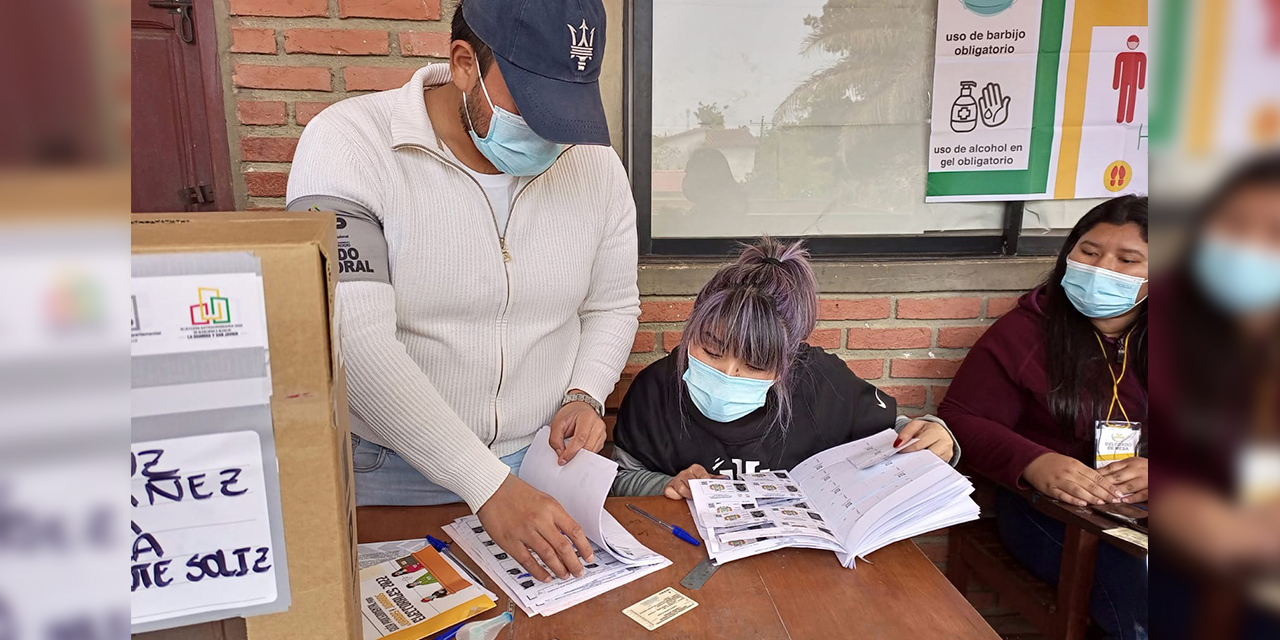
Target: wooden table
(1061,611)
(796,594)
(1084,530)
(1128,539)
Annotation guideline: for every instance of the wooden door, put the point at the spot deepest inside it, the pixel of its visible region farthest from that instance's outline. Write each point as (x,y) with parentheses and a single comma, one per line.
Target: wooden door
(179,155)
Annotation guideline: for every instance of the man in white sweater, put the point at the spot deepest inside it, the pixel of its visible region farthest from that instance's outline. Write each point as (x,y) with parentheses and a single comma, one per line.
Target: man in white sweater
(487,249)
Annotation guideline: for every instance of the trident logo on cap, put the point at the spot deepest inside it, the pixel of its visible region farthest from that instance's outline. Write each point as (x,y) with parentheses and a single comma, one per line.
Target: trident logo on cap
(582,41)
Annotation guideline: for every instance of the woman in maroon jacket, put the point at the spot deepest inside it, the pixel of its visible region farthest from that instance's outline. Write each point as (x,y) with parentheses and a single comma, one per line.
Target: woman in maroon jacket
(1026,401)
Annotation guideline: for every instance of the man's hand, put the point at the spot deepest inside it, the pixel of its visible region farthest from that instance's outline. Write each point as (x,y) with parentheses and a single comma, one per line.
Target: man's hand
(678,487)
(931,436)
(1069,480)
(1129,476)
(579,422)
(520,518)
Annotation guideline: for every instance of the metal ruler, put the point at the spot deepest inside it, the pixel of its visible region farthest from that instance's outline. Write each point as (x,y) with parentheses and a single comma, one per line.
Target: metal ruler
(700,574)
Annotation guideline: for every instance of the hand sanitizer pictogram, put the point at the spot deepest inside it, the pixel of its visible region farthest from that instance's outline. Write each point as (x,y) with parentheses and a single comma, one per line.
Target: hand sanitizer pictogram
(964,111)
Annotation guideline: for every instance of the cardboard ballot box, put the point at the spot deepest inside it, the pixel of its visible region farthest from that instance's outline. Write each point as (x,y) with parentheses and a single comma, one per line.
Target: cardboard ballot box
(295,255)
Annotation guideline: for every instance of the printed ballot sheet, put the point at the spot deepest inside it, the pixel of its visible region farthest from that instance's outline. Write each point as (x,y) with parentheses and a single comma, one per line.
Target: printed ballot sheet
(580,486)
(875,449)
(202,530)
(605,573)
(851,499)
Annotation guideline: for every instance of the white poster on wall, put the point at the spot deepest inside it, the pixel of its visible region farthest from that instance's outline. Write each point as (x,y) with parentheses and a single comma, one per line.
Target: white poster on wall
(984,88)
(1115,114)
(1039,100)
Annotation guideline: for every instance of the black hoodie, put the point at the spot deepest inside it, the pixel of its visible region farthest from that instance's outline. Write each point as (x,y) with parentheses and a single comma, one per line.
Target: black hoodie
(659,425)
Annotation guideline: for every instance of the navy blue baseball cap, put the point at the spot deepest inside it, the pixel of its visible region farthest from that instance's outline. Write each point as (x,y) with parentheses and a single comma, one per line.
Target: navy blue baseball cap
(550,52)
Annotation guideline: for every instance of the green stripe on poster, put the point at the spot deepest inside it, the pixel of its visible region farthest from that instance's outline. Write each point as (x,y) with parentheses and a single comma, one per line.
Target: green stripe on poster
(1171,51)
(1035,178)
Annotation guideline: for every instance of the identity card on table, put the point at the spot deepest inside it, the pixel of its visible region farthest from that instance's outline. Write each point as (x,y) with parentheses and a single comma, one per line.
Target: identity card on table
(660,608)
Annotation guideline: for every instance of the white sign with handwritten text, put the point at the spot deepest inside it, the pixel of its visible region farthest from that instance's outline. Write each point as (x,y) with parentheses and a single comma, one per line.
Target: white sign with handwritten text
(201,530)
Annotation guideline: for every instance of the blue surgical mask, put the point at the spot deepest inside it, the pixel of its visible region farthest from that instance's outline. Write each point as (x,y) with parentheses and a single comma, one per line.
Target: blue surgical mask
(1098,292)
(1238,277)
(720,396)
(511,145)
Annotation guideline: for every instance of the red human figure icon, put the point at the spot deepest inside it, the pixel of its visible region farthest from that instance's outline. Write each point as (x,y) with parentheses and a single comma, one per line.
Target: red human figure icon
(1130,78)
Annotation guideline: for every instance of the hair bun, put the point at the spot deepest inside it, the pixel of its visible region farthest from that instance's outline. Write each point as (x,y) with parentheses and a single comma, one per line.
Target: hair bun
(772,260)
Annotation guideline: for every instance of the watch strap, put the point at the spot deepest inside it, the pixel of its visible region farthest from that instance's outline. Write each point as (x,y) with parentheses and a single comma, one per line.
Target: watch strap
(583,397)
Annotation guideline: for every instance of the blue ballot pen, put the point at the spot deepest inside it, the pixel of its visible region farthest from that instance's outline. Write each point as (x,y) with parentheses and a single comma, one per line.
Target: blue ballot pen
(443,547)
(451,632)
(676,531)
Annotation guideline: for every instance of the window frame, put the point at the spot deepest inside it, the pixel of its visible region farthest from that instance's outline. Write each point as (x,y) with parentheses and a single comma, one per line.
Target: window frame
(637,153)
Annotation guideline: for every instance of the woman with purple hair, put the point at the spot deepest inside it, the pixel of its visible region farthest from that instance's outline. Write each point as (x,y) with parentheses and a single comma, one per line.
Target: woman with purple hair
(744,393)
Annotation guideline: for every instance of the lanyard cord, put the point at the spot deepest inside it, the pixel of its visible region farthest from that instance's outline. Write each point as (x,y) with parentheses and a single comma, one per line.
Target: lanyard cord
(1115,380)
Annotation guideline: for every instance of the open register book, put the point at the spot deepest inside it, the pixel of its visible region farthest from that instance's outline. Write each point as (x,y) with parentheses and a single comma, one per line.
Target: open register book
(581,487)
(830,501)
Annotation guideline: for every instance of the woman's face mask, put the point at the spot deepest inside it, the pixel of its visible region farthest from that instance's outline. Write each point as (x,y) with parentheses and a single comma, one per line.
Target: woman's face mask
(720,396)
(511,145)
(1100,293)
(1238,277)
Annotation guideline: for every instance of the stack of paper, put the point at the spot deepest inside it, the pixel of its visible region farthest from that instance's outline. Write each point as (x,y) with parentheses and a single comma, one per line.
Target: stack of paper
(606,573)
(851,499)
(581,487)
(409,591)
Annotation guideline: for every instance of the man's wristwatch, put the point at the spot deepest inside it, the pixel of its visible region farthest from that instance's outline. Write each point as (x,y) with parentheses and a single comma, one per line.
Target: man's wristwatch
(583,397)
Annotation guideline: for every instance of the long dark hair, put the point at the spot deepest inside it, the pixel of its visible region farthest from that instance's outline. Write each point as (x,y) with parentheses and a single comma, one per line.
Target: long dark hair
(1078,378)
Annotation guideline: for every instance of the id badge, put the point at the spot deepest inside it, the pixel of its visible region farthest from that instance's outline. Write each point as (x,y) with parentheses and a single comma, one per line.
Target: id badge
(1258,474)
(1114,440)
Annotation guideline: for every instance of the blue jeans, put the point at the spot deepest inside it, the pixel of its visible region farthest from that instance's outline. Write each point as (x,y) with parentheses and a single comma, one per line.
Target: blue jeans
(384,478)
(1118,602)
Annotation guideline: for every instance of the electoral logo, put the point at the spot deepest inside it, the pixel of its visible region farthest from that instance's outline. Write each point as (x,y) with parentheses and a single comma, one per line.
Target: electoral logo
(74,302)
(213,308)
(581,42)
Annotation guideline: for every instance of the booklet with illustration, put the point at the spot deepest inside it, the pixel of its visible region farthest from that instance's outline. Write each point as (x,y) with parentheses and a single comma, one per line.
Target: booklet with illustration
(409,591)
(851,499)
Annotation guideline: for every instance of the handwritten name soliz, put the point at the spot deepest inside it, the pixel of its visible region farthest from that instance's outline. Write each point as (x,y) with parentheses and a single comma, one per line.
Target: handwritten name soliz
(202,536)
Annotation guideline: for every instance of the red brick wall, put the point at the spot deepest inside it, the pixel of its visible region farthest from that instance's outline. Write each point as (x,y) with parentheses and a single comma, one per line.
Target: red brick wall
(908,345)
(288,59)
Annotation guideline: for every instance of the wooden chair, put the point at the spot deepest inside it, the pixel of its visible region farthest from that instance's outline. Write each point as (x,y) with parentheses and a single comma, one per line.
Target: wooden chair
(975,551)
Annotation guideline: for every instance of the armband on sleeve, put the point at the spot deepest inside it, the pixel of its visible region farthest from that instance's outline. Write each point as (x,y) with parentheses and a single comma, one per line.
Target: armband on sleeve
(362,249)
